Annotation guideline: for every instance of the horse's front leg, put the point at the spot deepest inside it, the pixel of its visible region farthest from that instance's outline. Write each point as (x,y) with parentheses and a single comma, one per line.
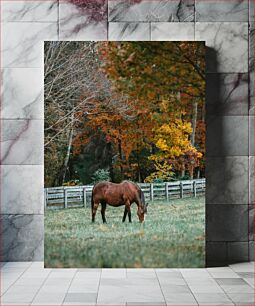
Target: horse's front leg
(103,208)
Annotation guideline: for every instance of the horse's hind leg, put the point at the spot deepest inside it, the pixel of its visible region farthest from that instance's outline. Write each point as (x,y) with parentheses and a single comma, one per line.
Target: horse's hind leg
(94,210)
(125,214)
(103,208)
(127,211)
(129,215)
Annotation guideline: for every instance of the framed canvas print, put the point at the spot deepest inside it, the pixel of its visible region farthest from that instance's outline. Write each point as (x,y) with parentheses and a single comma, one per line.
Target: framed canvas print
(124,154)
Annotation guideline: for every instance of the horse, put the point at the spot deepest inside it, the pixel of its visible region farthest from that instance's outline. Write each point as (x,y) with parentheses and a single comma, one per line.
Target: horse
(117,195)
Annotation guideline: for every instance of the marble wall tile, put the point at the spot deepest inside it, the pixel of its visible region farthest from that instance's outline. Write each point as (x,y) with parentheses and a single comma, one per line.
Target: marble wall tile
(251,180)
(237,251)
(22,93)
(21,189)
(251,135)
(151,10)
(227,180)
(22,237)
(21,142)
(129,31)
(74,24)
(228,45)
(251,222)
(251,10)
(215,252)
(227,223)
(234,10)
(172,31)
(251,250)
(251,68)
(227,135)
(23,10)
(227,94)
(22,43)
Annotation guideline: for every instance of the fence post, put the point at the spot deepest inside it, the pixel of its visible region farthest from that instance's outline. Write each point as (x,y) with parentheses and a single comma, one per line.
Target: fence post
(167,195)
(194,188)
(151,192)
(181,190)
(84,197)
(65,197)
(45,197)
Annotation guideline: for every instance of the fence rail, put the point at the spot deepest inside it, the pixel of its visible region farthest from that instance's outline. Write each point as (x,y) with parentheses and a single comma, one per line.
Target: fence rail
(77,196)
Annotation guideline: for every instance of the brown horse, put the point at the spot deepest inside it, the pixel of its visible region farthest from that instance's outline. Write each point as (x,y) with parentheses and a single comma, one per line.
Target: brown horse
(117,195)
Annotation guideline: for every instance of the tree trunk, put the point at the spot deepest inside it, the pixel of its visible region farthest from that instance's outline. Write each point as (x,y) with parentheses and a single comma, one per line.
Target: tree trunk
(194,123)
(68,152)
(121,158)
(193,135)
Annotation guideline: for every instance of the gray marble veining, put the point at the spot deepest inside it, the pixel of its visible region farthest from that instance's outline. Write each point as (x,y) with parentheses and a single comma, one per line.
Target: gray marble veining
(173,31)
(22,237)
(24,48)
(229,45)
(129,31)
(151,10)
(251,68)
(74,25)
(213,10)
(22,10)
(227,180)
(227,94)
(251,180)
(21,142)
(22,93)
(251,135)
(221,142)
(15,180)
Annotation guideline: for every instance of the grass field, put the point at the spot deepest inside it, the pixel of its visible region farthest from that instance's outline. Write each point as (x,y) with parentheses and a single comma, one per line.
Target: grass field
(172,236)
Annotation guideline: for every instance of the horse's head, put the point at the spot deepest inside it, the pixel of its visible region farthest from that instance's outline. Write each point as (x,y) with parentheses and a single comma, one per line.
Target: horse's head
(142,210)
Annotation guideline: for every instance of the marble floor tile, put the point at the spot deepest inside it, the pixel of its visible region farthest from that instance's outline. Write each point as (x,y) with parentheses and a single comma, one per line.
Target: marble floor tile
(151,10)
(129,31)
(222,272)
(172,31)
(22,93)
(80,298)
(243,267)
(113,273)
(242,299)
(21,142)
(23,43)
(180,299)
(76,24)
(213,299)
(31,11)
(234,10)
(227,43)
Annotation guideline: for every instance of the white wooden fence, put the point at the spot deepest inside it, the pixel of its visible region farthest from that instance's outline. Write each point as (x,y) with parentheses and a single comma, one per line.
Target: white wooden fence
(77,196)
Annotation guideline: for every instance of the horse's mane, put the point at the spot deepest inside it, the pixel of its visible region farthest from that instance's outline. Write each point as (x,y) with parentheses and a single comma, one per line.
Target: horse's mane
(140,191)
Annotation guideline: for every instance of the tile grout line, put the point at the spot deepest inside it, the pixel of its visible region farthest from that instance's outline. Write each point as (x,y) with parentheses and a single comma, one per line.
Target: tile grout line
(101,270)
(160,286)
(40,287)
(69,286)
(189,287)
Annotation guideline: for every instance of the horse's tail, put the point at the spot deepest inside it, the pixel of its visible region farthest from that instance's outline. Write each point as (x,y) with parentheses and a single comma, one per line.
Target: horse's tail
(92,199)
